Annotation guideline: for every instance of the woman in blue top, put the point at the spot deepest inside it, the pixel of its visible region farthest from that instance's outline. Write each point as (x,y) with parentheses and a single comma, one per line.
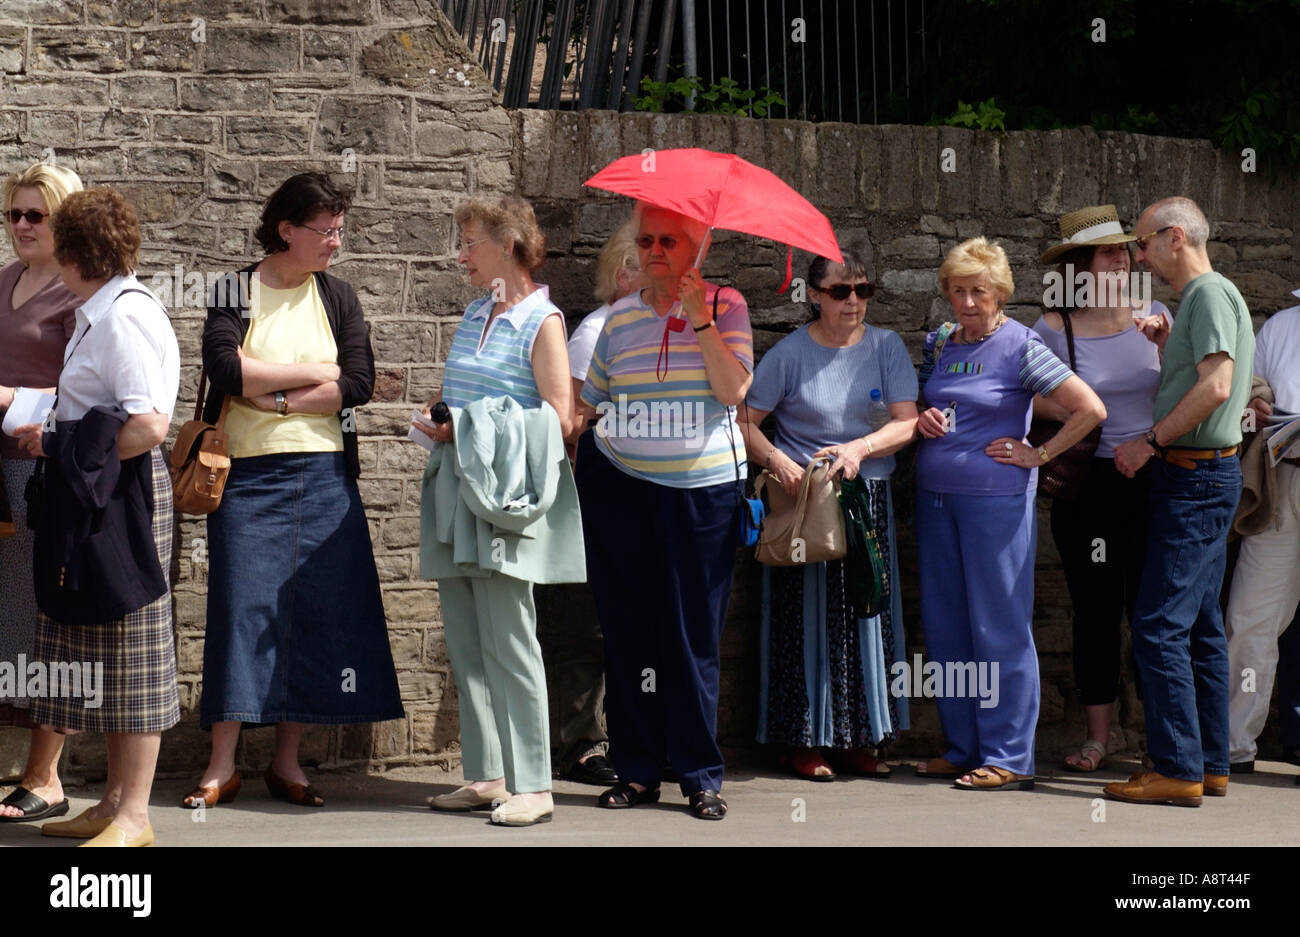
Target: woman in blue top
(823,671)
(1115,338)
(975,527)
(512,344)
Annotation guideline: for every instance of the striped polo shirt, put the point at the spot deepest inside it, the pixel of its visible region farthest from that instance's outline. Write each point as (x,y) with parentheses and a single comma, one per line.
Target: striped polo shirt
(675,432)
(503,366)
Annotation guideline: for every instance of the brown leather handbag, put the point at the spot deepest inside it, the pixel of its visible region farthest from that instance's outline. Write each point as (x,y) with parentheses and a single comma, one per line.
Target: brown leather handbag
(1063,477)
(200,462)
(807,529)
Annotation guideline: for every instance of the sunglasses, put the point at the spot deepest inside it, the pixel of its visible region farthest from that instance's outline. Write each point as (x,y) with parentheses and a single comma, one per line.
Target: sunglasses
(1146,238)
(32,215)
(647,241)
(841,291)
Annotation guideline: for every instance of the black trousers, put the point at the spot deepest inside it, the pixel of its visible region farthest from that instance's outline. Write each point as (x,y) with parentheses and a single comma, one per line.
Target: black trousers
(1102,539)
(574,654)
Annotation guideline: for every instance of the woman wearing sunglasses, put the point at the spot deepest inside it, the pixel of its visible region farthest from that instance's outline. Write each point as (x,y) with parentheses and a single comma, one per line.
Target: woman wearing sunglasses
(824,674)
(296,631)
(37,317)
(660,507)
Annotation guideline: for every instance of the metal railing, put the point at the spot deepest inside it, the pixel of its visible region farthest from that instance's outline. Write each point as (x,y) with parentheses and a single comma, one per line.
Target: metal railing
(847,60)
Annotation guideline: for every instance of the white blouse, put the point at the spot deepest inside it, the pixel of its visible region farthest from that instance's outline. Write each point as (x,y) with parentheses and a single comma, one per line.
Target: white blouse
(123,352)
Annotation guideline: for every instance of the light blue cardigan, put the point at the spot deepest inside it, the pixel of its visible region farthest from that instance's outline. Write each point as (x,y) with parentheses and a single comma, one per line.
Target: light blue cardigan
(500,498)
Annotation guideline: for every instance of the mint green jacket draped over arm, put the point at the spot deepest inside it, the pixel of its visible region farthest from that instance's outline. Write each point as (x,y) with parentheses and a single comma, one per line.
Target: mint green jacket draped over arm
(500,498)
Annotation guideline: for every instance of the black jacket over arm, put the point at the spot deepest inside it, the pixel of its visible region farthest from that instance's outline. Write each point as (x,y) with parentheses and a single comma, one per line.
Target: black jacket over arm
(227,325)
(95,558)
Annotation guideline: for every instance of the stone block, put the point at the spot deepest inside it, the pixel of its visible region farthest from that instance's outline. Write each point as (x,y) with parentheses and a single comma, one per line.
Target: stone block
(1081,158)
(364,124)
(714,132)
(402,458)
(408,604)
(13,49)
(837,166)
(389,232)
(898,177)
(392,739)
(424,383)
(341,12)
(115,125)
(418,57)
(62,91)
(440,132)
(119,12)
(227,178)
(1119,176)
(78,51)
(141,92)
(159,202)
(10,124)
(255,50)
(395,567)
(165,50)
(400,533)
(326,50)
(224,94)
(43,12)
(51,128)
(183,128)
(533,131)
(187,11)
(396,341)
(171,162)
(438,290)
(912,250)
(271,136)
(303,103)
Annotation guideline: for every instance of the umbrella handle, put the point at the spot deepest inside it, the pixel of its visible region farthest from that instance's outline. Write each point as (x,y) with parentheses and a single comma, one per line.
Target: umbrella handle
(699,259)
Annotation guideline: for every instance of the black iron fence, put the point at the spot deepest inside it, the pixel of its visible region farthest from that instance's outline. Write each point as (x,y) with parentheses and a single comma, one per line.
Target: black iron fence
(848,60)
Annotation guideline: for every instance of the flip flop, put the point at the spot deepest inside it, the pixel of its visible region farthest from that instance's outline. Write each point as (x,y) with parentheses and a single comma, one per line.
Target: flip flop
(993,778)
(33,807)
(1093,754)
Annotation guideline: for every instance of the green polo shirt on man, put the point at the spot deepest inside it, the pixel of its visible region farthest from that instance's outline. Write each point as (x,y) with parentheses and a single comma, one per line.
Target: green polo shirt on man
(1212,317)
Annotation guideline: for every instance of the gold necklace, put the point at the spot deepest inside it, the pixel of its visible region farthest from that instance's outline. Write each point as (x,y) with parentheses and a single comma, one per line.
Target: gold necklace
(1002,318)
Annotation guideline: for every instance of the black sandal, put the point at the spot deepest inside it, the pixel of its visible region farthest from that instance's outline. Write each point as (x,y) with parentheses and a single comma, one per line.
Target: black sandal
(625,795)
(708,805)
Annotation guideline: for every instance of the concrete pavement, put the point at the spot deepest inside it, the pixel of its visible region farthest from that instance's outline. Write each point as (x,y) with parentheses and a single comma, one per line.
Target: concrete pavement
(766,808)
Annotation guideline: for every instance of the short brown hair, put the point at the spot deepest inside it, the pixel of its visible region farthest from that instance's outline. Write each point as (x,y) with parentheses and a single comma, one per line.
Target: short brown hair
(510,217)
(296,200)
(97,232)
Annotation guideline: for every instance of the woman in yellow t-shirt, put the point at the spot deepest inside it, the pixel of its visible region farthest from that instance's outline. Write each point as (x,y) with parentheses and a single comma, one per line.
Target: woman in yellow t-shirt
(295,628)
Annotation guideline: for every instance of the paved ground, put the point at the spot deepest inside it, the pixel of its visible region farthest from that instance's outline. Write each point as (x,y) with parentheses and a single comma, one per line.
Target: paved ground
(389,810)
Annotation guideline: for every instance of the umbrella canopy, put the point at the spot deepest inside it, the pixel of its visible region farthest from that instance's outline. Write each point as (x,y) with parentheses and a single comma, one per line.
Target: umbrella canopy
(723,191)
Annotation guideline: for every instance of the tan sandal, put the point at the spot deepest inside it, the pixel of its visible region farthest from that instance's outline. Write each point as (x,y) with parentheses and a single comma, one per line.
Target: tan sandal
(1092,752)
(940,768)
(993,778)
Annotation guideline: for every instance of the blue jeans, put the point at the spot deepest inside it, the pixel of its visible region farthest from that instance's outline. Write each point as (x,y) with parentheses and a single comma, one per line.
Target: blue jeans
(1288,685)
(1178,638)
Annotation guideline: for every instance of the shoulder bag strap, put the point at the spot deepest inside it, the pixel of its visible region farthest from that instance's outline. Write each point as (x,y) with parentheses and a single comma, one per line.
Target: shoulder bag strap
(1069,339)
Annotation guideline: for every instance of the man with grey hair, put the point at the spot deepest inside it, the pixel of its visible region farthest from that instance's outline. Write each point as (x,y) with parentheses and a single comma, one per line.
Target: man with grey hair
(1178,636)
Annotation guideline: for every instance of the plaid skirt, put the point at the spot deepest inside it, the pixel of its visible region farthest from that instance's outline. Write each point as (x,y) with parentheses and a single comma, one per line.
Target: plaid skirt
(137,653)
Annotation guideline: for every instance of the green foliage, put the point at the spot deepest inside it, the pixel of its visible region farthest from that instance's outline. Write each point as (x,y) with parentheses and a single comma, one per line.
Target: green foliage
(984,116)
(1262,120)
(723,97)
(1131,120)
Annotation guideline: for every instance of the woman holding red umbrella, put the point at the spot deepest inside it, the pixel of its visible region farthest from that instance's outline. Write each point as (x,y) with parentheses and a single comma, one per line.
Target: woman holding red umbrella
(660,505)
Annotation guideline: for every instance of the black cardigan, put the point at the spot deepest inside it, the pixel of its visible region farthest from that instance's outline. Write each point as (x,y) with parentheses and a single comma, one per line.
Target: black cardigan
(227,325)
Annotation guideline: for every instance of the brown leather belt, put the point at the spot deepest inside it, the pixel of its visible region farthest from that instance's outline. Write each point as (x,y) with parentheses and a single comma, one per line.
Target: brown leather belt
(1295,461)
(1187,458)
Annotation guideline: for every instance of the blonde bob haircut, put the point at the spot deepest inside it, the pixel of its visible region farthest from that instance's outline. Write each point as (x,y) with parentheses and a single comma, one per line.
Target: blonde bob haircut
(618,254)
(510,218)
(53,182)
(975,257)
(695,231)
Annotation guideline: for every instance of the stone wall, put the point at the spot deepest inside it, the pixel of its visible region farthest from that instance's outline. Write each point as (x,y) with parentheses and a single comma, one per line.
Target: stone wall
(197,110)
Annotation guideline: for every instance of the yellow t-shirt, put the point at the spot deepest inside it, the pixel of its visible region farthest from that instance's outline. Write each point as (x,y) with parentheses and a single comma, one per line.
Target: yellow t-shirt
(285,327)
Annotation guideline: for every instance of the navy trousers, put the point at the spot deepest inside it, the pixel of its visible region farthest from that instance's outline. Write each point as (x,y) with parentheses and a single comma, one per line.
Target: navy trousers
(660,561)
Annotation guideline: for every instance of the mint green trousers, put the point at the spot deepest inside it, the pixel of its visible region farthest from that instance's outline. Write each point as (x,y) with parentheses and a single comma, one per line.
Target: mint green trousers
(491,631)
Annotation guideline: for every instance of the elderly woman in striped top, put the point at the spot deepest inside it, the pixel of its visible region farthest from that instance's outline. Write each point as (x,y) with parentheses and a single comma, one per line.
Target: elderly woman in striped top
(660,511)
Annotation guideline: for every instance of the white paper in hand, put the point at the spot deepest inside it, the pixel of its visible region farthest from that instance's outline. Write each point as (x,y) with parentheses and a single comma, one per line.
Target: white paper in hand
(29,406)
(415,435)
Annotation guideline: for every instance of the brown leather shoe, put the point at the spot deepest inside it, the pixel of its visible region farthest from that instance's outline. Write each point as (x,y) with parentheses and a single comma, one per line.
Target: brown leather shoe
(304,795)
(1152,787)
(213,795)
(1216,785)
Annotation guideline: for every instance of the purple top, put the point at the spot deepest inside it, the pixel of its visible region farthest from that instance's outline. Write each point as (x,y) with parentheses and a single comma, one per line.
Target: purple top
(1124,371)
(989,386)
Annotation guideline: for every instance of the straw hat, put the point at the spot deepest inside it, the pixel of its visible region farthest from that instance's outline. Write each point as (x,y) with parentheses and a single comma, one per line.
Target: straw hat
(1088,227)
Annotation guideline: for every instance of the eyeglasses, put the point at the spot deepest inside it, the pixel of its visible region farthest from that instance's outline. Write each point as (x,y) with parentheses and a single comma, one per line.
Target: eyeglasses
(840,291)
(327,233)
(467,246)
(1146,238)
(647,241)
(33,216)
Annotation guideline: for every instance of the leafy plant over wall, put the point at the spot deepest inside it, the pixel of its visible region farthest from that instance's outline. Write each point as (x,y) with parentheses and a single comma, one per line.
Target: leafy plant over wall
(723,97)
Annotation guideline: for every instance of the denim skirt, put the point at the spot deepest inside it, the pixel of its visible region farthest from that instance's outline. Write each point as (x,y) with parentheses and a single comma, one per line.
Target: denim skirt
(296,629)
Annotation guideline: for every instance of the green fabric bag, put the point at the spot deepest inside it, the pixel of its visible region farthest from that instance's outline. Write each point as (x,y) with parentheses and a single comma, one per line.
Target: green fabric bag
(865,575)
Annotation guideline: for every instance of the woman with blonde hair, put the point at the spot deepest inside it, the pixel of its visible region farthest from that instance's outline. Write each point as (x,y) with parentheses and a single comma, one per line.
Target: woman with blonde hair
(507,358)
(37,317)
(975,527)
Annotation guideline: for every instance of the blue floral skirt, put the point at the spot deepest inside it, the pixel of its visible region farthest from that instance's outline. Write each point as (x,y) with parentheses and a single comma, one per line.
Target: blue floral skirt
(296,629)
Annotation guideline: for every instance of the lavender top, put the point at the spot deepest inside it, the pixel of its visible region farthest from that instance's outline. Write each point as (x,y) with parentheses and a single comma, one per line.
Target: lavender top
(1122,369)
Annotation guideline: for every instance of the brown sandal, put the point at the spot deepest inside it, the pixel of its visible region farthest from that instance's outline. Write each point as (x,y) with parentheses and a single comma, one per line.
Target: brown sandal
(993,778)
(940,768)
(304,795)
(212,795)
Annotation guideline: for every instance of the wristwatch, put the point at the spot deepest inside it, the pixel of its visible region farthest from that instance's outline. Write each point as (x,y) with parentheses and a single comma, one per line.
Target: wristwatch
(701,328)
(281,403)
(1150,438)
(1042,454)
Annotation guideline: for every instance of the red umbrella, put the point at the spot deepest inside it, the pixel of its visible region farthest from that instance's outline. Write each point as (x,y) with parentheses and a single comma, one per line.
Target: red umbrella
(723,191)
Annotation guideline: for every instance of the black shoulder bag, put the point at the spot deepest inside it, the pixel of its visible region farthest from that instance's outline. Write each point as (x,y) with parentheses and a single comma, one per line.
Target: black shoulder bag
(1063,477)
